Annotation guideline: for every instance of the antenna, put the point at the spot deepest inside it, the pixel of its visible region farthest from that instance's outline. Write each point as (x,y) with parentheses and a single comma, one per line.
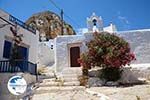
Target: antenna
(62,21)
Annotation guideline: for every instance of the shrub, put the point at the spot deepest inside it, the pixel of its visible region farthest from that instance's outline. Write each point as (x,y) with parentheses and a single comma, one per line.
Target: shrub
(109,52)
(83,80)
(111,74)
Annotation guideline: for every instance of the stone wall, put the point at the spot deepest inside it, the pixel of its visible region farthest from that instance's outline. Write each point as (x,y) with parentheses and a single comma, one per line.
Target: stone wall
(129,76)
(141,70)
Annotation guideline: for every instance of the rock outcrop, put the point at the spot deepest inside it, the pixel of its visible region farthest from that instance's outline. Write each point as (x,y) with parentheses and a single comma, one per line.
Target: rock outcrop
(49,24)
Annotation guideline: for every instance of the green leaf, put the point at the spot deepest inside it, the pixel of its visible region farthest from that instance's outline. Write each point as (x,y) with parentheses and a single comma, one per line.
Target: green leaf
(100,51)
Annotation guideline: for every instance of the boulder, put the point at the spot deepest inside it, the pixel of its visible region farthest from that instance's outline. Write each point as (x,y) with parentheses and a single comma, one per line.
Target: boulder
(95,82)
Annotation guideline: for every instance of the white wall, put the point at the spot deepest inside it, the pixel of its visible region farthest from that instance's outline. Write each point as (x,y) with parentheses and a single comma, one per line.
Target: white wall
(111,28)
(30,39)
(62,45)
(140,44)
(46,53)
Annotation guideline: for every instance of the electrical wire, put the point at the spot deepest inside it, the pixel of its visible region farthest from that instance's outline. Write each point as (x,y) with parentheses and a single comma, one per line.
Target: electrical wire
(55,5)
(65,15)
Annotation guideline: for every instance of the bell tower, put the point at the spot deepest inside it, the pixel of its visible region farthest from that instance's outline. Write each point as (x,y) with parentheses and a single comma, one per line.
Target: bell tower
(94,23)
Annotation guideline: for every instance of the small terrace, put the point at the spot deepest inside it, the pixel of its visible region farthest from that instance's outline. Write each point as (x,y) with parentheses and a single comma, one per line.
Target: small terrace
(17,66)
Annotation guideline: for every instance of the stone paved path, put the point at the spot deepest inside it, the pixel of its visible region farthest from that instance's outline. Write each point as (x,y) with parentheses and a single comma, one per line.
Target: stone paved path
(50,89)
(66,95)
(114,93)
(125,93)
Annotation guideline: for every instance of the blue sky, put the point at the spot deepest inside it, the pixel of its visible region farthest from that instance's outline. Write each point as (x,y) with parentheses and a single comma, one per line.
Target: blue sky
(126,14)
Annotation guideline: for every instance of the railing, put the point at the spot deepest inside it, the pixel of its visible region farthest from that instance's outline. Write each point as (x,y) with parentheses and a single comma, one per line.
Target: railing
(22,24)
(18,66)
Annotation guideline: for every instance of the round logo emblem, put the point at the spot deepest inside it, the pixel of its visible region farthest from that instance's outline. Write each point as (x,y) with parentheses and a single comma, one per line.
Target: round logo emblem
(17,85)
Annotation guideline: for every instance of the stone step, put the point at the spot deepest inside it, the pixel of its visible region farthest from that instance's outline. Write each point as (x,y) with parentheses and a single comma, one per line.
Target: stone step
(52,89)
(70,75)
(72,83)
(77,71)
(73,74)
(64,78)
(68,83)
(69,79)
(48,84)
(49,80)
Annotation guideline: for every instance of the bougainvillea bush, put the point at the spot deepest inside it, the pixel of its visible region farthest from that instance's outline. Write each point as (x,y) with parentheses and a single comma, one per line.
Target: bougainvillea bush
(109,52)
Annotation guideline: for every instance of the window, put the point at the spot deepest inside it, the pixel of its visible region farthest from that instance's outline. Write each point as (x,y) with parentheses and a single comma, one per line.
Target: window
(7,49)
(22,51)
(51,46)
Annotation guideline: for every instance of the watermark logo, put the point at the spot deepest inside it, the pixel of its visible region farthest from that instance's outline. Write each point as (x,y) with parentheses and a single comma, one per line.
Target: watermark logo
(17,85)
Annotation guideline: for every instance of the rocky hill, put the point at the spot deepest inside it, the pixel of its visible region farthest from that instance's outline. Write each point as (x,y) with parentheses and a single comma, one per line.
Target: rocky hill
(49,24)
(140,44)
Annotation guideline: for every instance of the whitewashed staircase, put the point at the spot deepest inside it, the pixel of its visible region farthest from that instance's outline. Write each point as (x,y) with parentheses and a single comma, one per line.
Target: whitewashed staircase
(66,80)
(70,76)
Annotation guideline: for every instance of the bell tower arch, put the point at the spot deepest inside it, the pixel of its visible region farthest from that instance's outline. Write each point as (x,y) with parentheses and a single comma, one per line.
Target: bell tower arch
(94,23)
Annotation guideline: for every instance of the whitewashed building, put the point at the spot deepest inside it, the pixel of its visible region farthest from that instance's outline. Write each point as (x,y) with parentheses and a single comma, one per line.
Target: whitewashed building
(63,51)
(67,49)
(28,47)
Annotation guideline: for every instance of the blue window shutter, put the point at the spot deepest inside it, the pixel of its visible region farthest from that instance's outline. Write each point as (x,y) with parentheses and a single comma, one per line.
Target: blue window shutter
(7,49)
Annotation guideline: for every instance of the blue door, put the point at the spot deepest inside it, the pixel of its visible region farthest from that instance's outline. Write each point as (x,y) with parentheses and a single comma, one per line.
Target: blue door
(24,53)
(23,64)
